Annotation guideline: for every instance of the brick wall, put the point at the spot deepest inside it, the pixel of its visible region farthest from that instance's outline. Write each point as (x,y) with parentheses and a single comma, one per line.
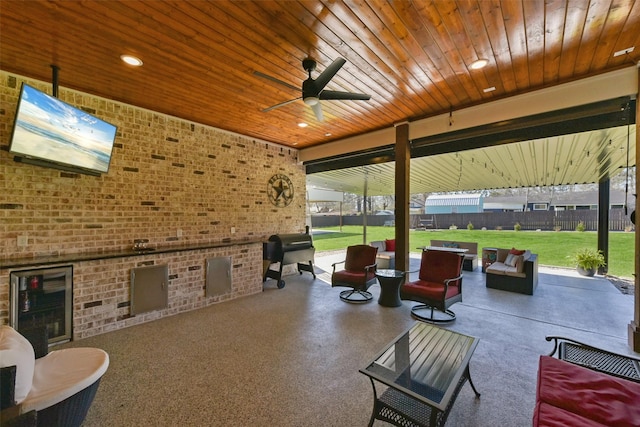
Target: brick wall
(171,181)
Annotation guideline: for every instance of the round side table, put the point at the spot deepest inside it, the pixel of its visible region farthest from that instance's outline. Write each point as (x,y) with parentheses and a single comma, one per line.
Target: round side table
(390,281)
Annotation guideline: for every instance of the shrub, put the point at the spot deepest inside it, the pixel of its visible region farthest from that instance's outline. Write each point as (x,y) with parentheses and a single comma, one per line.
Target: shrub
(580,226)
(517,226)
(453,227)
(588,258)
(469,226)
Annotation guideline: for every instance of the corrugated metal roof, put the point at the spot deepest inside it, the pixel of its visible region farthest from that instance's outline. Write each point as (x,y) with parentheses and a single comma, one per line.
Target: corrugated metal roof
(454,200)
(582,158)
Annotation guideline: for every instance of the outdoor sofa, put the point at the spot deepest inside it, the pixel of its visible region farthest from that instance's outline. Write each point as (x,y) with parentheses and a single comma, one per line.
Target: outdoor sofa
(514,270)
(386,257)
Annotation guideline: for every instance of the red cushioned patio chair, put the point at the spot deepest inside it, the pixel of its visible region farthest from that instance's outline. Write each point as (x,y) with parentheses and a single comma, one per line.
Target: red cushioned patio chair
(358,274)
(439,285)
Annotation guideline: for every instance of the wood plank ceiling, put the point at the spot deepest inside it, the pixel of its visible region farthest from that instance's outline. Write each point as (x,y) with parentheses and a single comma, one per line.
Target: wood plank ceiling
(412,57)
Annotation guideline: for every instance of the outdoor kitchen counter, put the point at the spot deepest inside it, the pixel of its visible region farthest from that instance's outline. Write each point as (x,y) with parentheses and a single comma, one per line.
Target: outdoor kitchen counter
(99,255)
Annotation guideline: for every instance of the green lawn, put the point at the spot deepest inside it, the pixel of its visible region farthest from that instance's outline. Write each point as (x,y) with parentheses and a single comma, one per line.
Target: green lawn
(553,248)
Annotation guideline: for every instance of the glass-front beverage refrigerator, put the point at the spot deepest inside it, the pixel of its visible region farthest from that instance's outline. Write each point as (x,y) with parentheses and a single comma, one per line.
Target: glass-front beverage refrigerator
(43,297)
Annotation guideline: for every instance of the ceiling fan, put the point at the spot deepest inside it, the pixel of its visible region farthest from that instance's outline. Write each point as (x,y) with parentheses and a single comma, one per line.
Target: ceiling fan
(313,90)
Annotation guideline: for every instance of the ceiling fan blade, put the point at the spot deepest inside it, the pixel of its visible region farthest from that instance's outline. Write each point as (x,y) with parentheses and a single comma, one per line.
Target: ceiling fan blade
(328,73)
(332,94)
(273,79)
(281,104)
(317,110)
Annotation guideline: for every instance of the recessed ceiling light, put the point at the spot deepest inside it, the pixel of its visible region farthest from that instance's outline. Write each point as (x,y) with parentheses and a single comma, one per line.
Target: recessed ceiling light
(131,60)
(624,51)
(489,89)
(302,125)
(480,63)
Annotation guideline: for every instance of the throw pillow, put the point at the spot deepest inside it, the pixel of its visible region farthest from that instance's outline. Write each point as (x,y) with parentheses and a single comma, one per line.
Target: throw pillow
(511,260)
(17,350)
(515,251)
(450,245)
(520,263)
(390,245)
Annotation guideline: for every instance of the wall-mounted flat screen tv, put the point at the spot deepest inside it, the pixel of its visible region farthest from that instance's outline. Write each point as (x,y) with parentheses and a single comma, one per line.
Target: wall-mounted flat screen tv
(51,133)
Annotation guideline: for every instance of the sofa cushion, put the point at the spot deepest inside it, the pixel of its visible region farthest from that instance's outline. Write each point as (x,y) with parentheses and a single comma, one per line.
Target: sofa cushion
(390,245)
(497,268)
(600,397)
(504,269)
(378,244)
(545,415)
(17,350)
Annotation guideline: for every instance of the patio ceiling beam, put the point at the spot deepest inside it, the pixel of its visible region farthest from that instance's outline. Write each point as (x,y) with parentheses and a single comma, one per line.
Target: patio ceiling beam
(599,115)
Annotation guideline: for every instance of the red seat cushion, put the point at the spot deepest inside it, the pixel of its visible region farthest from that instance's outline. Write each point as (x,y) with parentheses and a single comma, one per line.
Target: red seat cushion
(429,290)
(357,278)
(599,397)
(546,415)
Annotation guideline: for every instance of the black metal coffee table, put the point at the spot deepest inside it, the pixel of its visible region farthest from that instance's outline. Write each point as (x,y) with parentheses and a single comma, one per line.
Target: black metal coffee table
(423,371)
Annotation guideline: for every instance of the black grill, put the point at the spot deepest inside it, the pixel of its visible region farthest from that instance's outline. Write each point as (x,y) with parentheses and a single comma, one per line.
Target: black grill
(288,249)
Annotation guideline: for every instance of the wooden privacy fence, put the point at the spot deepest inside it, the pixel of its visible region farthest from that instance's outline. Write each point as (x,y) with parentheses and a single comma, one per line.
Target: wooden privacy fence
(533,220)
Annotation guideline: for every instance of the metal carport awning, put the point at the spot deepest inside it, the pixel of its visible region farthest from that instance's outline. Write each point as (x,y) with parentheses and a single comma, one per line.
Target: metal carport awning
(598,141)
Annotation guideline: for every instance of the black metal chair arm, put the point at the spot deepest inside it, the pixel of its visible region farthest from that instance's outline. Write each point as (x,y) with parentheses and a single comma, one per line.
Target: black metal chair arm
(337,263)
(371,267)
(453,279)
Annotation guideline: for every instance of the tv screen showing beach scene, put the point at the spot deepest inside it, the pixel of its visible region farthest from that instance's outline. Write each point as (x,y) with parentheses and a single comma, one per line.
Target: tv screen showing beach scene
(49,129)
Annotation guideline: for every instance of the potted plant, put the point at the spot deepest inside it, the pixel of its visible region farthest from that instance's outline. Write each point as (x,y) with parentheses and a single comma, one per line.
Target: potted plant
(588,260)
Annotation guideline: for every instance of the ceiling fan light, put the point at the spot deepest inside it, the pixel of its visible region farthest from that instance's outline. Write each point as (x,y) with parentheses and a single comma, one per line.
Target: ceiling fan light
(478,64)
(131,60)
(624,51)
(311,100)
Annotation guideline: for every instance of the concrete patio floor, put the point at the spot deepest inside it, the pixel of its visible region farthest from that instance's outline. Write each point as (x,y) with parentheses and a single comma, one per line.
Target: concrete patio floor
(588,309)
(291,356)
(512,328)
